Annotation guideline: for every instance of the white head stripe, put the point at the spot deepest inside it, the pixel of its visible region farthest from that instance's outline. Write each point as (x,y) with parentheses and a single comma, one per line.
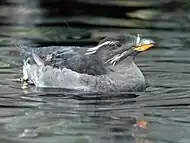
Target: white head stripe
(95,49)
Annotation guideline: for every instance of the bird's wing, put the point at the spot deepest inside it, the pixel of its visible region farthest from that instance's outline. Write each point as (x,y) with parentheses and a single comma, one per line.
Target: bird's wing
(76,60)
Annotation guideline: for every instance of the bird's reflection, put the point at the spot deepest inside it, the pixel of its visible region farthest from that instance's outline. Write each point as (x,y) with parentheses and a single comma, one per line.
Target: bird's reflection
(108,116)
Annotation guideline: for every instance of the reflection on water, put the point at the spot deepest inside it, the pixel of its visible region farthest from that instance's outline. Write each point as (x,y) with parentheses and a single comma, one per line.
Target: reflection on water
(159,115)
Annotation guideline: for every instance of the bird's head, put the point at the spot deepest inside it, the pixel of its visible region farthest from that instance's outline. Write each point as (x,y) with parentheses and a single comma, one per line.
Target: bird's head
(112,50)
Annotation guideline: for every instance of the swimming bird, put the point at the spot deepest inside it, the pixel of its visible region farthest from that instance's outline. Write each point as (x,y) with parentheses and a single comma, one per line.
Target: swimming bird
(109,66)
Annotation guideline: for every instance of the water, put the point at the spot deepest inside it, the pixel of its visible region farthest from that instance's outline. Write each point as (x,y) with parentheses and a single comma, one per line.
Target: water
(159,115)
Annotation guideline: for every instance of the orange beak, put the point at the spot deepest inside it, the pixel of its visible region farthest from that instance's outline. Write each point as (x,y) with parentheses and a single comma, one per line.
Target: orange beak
(142,48)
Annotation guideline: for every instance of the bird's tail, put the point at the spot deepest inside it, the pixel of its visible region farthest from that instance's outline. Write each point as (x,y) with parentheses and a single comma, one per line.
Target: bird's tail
(25,52)
(29,54)
(20,46)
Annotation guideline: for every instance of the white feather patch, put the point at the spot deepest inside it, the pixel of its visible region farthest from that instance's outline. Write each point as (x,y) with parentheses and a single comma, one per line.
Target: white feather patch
(138,39)
(95,49)
(116,58)
(37,59)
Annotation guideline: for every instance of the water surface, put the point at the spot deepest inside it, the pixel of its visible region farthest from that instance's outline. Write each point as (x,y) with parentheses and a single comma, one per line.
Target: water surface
(159,115)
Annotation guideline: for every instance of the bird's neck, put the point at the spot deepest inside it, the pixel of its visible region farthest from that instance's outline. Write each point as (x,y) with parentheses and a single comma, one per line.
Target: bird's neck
(123,66)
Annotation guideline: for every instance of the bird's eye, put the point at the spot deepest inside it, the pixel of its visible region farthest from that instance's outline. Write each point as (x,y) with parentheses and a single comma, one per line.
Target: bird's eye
(117,44)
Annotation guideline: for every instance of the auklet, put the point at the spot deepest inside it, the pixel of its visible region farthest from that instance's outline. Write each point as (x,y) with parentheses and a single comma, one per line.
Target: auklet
(109,66)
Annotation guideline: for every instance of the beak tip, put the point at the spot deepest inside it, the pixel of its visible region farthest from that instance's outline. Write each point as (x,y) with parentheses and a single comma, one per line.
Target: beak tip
(153,42)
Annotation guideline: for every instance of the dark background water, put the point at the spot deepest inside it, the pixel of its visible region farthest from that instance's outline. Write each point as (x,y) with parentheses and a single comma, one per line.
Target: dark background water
(159,115)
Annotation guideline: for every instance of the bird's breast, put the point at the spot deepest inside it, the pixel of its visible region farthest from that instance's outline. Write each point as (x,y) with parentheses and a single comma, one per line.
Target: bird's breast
(128,78)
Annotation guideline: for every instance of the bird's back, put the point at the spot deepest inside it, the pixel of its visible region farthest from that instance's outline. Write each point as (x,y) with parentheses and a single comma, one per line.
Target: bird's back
(73,58)
(76,60)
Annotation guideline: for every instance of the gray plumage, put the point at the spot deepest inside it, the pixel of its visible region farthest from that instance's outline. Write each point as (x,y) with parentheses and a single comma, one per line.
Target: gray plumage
(107,67)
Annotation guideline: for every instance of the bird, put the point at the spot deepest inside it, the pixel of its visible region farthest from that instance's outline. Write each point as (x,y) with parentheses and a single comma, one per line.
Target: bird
(107,67)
